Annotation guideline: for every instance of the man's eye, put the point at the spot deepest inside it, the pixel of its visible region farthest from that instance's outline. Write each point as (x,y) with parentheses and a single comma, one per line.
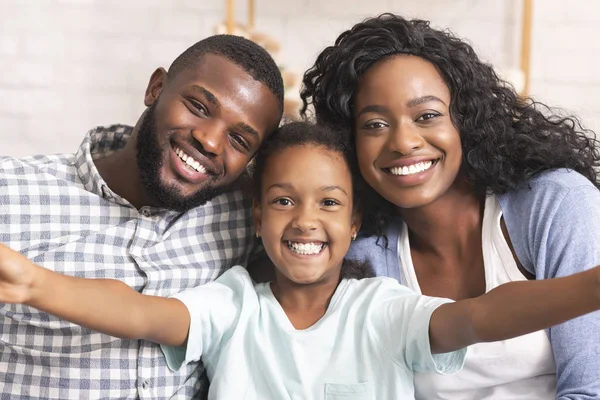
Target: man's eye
(240,140)
(199,106)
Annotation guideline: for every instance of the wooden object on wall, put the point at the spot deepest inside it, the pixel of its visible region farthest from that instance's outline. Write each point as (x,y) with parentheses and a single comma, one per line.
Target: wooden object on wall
(526,45)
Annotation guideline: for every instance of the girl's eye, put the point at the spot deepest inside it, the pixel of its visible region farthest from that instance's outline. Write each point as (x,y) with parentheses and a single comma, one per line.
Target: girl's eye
(283,202)
(330,203)
(427,116)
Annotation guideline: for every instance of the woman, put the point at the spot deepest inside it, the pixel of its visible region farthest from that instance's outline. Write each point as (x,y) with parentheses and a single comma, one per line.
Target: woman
(473,187)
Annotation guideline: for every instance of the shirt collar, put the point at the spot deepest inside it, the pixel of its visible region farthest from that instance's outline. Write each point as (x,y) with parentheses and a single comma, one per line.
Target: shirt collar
(100,142)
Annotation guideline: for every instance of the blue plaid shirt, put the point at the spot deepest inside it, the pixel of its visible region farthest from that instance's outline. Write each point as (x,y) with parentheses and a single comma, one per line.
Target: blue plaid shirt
(58,211)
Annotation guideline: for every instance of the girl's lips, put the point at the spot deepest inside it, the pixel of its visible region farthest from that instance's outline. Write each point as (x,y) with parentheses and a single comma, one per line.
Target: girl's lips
(306,249)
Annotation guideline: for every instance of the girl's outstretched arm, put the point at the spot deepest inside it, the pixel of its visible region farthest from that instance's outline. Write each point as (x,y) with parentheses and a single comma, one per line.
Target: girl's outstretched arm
(104,305)
(514,309)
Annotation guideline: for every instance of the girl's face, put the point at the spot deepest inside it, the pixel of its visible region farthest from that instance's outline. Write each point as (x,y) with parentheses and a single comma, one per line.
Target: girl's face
(408,149)
(305,215)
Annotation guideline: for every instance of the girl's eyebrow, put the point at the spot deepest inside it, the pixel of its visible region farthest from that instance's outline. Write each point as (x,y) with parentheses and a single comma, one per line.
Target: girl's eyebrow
(285,186)
(332,187)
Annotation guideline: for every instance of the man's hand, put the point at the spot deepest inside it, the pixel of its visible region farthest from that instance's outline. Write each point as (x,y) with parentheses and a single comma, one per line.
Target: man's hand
(17,276)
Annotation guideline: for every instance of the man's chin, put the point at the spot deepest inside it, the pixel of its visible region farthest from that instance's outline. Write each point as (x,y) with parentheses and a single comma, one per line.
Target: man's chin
(170,197)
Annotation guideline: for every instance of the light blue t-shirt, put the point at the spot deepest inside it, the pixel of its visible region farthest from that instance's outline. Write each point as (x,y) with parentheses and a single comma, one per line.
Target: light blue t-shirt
(374,334)
(553,222)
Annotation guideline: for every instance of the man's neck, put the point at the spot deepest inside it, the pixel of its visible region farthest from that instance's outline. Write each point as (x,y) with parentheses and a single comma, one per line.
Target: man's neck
(121,173)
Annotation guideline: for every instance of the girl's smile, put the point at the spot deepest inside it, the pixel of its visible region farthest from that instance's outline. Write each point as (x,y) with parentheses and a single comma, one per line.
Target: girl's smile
(306,219)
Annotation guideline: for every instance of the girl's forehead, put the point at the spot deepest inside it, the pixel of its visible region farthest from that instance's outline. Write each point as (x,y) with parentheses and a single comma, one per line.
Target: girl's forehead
(309,163)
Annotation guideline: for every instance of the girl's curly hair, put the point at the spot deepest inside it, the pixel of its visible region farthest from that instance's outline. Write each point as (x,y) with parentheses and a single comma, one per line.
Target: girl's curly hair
(506,139)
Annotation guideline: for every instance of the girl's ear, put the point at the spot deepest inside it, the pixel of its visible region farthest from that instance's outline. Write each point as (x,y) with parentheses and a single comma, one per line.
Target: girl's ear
(257,215)
(356,222)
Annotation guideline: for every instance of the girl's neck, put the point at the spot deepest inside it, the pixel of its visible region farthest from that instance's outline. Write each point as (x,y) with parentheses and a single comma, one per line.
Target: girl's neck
(448,225)
(305,304)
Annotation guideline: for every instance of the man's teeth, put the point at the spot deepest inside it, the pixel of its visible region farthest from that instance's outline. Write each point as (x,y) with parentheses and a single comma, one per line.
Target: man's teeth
(189,161)
(411,169)
(306,248)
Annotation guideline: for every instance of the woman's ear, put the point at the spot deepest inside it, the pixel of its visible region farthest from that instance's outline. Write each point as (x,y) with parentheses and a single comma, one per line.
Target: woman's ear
(257,216)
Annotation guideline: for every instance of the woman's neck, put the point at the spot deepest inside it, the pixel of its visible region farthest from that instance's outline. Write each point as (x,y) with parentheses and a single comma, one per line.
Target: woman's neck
(449,225)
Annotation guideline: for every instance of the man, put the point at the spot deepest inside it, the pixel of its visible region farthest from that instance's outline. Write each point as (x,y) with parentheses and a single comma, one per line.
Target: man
(155,206)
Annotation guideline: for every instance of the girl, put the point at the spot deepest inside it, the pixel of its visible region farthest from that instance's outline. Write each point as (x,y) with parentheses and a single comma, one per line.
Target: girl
(475,187)
(309,333)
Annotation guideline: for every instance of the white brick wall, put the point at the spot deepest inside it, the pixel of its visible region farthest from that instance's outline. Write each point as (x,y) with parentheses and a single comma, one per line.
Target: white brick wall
(67,65)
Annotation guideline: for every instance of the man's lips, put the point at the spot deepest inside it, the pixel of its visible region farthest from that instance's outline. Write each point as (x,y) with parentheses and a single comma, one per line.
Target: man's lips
(194,159)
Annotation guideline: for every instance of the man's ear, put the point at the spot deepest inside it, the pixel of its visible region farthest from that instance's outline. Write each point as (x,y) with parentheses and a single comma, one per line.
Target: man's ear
(256,215)
(158,80)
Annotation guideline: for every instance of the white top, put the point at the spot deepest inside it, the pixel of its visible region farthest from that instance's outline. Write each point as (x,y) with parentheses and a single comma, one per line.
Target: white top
(519,368)
(366,346)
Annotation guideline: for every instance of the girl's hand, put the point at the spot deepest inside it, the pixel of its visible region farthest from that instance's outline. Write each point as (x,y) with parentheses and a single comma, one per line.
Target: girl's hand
(17,275)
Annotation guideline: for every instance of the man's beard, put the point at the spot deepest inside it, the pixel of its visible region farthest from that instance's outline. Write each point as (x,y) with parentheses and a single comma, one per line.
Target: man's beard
(150,159)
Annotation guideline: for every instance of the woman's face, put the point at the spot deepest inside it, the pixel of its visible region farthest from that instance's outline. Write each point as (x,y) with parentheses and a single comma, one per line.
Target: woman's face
(408,149)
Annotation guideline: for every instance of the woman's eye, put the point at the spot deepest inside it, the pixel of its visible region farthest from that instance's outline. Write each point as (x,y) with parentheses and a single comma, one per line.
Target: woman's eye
(427,116)
(375,125)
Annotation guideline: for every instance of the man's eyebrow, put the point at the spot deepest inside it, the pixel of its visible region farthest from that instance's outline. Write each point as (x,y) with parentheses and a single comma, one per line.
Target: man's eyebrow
(208,94)
(423,99)
(248,129)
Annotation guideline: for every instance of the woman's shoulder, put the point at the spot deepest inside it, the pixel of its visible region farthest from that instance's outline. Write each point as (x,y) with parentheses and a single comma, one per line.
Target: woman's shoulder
(549,185)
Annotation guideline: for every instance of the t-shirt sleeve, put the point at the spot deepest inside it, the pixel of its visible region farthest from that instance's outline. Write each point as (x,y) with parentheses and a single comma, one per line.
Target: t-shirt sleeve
(554,226)
(401,326)
(214,311)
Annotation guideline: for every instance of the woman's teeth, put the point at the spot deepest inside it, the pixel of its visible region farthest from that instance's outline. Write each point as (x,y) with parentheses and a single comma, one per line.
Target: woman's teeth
(306,248)
(411,169)
(189,161)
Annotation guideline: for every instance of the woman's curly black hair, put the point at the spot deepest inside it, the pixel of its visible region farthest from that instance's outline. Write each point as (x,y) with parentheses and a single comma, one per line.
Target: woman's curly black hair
(506,139)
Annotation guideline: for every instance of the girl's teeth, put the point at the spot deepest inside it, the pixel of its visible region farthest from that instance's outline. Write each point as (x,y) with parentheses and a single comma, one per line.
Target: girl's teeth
(412,169)
(189,161)
(306,248)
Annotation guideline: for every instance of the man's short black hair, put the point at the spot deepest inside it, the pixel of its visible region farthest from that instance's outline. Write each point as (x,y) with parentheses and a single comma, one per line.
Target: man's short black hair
(250,56)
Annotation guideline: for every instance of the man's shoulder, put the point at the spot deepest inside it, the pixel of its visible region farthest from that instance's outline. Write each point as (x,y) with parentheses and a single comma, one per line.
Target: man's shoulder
(35,169)
(13,165)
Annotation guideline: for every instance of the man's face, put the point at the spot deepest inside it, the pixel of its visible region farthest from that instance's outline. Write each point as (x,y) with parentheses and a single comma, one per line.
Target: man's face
(200,131)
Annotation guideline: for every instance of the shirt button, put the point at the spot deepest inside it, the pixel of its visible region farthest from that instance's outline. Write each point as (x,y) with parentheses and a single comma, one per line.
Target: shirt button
(145,384)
